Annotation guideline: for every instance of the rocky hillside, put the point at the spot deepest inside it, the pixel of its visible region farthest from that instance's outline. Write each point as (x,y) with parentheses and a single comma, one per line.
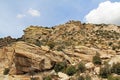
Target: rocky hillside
(7,40)
(74,33)
(70,51)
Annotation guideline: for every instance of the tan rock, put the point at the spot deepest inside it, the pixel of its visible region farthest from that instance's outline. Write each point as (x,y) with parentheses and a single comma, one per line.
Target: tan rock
(89,65)
(63,76)
(115,59)
(105,56)
(21,57)
(97,70)
(46,48)
(85,50)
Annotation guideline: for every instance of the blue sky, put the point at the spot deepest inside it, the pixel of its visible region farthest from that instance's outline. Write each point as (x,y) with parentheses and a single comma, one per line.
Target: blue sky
(16,15)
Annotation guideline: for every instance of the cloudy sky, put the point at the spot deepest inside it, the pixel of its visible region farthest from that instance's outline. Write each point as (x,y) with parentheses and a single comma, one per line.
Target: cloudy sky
(16,15)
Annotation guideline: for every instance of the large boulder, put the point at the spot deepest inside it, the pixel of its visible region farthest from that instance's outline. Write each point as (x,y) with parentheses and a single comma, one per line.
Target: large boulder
(29,56)
(85,50)
(22,57)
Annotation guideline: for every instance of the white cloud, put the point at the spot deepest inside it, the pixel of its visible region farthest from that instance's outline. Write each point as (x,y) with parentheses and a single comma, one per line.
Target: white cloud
(33,12)
(20,16)
(107,12)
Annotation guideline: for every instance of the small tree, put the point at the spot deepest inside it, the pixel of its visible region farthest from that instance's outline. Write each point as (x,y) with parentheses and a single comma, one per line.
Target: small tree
(60,66)
(71,70)
(97,59)
(81,67)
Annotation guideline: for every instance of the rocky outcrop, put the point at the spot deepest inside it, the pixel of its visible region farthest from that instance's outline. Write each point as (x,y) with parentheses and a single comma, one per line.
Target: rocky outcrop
(35,33)
(40,48)
(30,56)
(21,57)
(6,40)
(6,58)
(75,33)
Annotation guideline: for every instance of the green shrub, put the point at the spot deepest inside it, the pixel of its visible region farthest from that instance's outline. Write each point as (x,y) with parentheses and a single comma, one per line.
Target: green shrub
(60,66)
(71,70)
(116,68)
(47,78)
(81,67)
(97,59)
(51,45)
(6,71)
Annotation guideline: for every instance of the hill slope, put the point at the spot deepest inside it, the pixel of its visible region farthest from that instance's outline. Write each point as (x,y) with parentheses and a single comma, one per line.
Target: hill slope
(41,49)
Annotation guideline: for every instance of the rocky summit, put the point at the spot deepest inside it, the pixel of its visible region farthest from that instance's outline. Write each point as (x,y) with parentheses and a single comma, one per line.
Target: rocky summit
(70,51)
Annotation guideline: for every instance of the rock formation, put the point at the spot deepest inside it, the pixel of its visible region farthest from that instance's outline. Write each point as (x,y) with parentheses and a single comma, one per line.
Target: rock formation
(40,48)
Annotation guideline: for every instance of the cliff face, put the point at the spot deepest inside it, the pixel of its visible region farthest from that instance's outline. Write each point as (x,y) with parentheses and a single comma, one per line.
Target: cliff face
(41,48)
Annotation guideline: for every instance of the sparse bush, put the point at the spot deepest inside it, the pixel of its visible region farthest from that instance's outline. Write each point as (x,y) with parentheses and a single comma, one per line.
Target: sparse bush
(60,66)
(51,45)
(71,70)
(97,59)
(81,67)
(46,27)
(6,71)
(113,47)
(110,43)
(47,78)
